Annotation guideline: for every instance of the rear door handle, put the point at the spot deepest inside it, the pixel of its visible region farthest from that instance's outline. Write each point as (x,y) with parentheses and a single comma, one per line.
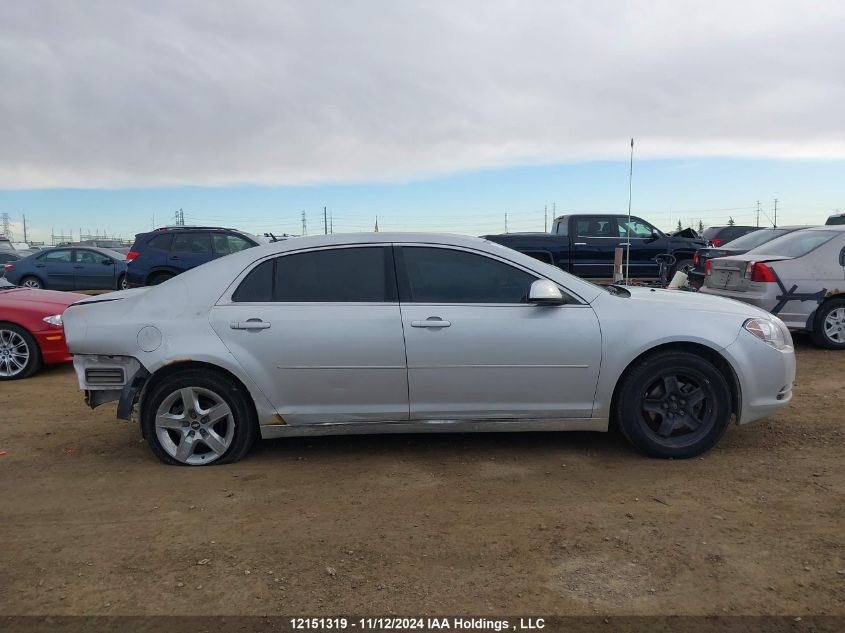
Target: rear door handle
(580,244)
(432,322)
(250,324)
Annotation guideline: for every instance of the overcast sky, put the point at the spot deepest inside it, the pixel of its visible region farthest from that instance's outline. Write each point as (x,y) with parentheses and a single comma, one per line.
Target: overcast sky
(116,94)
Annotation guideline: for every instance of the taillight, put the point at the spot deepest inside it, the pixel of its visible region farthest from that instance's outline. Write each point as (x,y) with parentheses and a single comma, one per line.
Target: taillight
(758,271)
(131,255)
(707,270)
(8,267)
(695,260)
(716,242)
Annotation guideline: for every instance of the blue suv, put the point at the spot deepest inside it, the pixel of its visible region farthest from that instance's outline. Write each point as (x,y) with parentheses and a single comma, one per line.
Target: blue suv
(164,253)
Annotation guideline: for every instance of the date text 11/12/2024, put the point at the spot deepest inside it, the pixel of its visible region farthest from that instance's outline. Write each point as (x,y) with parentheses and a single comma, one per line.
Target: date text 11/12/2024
(416,624)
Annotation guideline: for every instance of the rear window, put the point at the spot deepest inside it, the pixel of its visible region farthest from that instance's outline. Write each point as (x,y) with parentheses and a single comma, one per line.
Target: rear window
(756,238)
(796,244)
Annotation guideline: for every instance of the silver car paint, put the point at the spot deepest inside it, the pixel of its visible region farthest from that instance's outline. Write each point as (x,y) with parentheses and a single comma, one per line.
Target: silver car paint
(819,273)
(563,369)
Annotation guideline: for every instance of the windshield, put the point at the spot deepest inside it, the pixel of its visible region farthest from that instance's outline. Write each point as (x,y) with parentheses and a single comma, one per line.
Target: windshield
(755,239)
(796,244)
(109,244)
(835,219)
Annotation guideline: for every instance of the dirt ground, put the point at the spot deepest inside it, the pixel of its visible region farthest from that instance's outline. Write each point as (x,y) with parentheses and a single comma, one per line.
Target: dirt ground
(485,524)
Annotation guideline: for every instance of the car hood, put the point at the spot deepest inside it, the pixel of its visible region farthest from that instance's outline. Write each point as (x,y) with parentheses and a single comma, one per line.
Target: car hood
(694,302)
(41,300)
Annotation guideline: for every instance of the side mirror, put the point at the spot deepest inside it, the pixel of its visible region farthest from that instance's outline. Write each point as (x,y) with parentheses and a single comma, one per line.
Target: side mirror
(842,257)
(545,292)
(654,236)
(107,262)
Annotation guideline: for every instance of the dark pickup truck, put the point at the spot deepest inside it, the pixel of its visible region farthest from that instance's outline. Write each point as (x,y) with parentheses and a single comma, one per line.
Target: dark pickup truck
(584,245)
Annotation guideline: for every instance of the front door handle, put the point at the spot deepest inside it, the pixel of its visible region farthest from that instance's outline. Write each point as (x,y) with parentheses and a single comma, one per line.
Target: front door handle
(432,322)
(580,244)
(249,324)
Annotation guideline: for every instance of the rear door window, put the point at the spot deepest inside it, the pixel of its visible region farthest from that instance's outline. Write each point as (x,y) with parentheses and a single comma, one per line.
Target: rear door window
(336,275)
(57,257)
(192,243)
(595,226)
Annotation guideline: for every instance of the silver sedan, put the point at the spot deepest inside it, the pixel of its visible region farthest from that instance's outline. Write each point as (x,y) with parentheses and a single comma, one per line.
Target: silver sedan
(394,333)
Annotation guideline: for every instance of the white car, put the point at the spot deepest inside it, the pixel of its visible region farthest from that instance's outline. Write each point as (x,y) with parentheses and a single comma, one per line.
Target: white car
(386,333)
(800,277)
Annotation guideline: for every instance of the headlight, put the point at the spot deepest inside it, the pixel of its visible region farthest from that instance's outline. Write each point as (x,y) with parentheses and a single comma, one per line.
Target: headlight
(767,331)
(56,320)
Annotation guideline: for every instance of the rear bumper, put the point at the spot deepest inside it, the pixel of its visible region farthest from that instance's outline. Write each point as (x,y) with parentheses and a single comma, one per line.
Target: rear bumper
(53,347)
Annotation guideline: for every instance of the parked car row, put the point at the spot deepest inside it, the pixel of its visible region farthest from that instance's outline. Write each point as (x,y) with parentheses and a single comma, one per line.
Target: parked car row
(798,276)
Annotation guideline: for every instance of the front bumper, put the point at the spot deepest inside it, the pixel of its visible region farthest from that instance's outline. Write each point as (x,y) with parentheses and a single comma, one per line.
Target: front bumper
(766,376)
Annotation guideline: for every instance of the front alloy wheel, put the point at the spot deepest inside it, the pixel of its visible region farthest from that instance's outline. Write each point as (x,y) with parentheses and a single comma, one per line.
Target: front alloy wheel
(198,416)
(19,354)
(673,404)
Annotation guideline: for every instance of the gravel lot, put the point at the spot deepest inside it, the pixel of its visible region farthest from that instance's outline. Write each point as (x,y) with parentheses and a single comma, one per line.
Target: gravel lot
(488,524)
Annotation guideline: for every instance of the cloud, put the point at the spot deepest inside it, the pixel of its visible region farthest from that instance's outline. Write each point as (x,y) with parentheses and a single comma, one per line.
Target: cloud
(114,94)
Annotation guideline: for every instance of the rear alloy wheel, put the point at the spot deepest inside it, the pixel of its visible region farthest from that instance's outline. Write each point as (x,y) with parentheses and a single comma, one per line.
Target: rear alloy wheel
(196,418)
(31,282)
(19,354)
(673,404)
(121,283)
(830,325)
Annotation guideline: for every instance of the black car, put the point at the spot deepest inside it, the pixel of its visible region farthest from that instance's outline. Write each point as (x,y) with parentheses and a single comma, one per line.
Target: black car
(159,255)
(738,246)
(584,244)
(721,235)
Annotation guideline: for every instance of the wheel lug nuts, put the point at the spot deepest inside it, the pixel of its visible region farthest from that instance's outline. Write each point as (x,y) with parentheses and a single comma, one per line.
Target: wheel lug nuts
(204,419)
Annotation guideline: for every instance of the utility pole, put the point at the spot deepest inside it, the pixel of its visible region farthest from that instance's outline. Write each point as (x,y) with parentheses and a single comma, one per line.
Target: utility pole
(325,222)
(24,229)
(506,222)
(304,224)
(6,223)
(775,222)
(331,222)
(758,214)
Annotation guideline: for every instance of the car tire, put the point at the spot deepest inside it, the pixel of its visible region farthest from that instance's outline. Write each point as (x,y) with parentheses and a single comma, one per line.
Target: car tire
(829,328)
(31,282)
(673,404)
(121,283)
(20,356)
(194,435)
(159,278)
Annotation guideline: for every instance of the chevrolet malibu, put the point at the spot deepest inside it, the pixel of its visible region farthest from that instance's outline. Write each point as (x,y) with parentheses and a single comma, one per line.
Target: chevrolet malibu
(396,333)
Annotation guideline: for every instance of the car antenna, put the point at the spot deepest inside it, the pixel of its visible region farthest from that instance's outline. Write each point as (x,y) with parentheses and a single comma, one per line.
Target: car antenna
(628,231)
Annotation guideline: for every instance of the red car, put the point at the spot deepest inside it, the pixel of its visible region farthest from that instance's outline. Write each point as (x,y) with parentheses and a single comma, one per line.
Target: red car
(31,331)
